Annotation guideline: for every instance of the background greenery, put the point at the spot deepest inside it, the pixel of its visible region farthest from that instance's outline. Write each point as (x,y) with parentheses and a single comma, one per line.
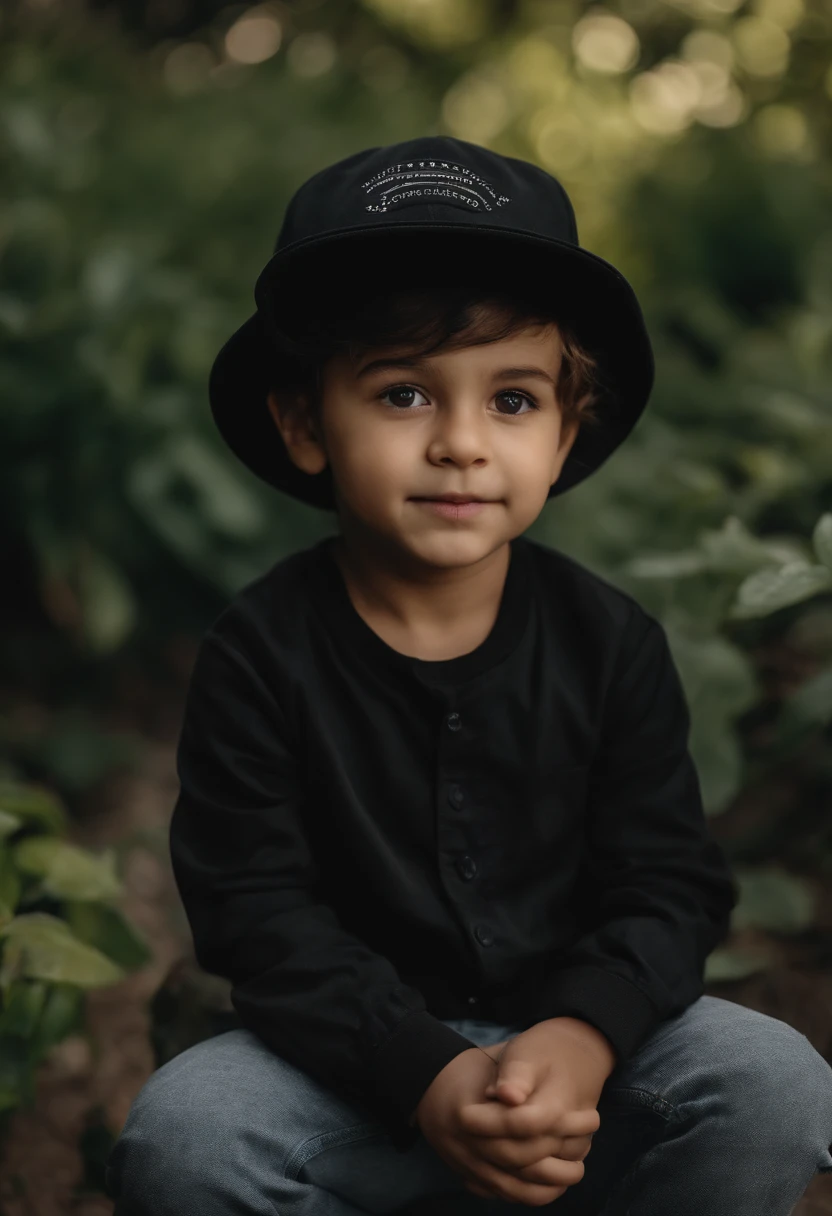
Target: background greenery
(148,151)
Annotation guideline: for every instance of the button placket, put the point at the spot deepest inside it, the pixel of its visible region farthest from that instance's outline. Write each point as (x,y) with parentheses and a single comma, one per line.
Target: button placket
(465,865)
(456,796)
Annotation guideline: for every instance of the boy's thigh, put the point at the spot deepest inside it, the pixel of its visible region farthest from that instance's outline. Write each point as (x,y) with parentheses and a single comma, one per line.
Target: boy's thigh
(716,1046)
(234,1123)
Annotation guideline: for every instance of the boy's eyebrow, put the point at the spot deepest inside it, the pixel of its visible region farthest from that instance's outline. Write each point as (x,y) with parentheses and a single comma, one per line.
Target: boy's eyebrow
(505,373)
(379,364)
(509,373)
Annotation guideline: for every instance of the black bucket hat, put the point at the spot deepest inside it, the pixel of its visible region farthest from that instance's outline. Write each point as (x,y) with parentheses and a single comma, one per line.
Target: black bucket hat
(430,202)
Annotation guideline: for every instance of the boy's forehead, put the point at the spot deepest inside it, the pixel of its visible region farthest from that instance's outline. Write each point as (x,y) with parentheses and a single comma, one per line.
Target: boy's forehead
(541,340)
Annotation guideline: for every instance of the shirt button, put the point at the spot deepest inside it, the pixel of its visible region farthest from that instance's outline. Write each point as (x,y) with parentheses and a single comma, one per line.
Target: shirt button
(483,935)
(453,721)
(466,866)
(456,796)
(472,1000)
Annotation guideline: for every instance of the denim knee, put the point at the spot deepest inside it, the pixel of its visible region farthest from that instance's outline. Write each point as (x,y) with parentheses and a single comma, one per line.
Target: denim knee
(163,1142)
(177,1140)
(777,1076)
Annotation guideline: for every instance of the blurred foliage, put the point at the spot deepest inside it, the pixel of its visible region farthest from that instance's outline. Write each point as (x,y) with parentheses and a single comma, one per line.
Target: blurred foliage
(61,933)
(146,180)
(743,578)
(729,575)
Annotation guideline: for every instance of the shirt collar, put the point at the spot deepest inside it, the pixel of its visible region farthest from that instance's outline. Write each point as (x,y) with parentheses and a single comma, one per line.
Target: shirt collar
(346,621)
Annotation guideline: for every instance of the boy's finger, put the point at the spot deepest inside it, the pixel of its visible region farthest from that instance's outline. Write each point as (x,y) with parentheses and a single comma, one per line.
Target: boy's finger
(514,1155)
(496,1119)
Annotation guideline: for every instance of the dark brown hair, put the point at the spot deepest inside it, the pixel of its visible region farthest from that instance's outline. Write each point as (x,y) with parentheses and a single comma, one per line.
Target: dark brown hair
(421,320)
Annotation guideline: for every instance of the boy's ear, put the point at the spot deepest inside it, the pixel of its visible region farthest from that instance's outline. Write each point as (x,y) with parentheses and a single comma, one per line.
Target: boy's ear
(568,435)
(293,419)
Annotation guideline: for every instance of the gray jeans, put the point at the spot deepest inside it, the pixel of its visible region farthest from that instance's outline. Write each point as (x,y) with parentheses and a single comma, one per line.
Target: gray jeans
(723,1110)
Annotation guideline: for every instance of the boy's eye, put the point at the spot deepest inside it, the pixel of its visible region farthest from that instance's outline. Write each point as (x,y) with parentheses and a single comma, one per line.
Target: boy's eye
(519,397)
(401,396)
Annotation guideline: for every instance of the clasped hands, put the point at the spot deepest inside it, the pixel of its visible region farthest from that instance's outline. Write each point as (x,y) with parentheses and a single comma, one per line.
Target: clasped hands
(527,1142)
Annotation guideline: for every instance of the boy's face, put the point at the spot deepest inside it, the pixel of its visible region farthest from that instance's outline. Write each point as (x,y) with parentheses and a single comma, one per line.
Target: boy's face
(482,421)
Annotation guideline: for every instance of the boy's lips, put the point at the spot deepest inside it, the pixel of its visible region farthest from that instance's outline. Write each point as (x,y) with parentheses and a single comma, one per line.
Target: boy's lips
(454,508)
(459,498)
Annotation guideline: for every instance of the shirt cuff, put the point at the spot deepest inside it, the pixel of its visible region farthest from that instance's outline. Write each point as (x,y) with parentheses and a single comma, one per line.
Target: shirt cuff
(611,1004)
(403,1068)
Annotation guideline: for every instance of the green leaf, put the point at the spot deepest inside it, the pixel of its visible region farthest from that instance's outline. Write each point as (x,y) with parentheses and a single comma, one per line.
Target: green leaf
(10,883)
(76,752)
(9,824)
(809,708)
(734,963)
(719,761)
(666,565)
(226,500)
(733,549)
(62,1015)
(69,872)
(767,590)
(33,803)
(774,900)
(14,314)
(109,608)
(216,499)
(109,931)
(106,275)
(822,540)
(11,968)
(720,684)
(22,1007)
(16,1073)
(43,947)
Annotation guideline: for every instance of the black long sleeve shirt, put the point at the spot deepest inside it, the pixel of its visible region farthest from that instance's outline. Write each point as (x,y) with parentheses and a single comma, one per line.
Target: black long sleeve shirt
(365,842)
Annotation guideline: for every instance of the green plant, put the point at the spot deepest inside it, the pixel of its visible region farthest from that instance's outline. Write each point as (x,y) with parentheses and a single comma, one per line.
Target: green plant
(61,932)
(734,580)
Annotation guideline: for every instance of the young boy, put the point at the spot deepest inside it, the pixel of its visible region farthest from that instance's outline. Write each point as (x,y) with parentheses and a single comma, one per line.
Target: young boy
(436,792)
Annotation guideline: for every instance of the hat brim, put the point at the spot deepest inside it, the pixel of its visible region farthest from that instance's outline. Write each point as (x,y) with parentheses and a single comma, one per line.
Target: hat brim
(599,303)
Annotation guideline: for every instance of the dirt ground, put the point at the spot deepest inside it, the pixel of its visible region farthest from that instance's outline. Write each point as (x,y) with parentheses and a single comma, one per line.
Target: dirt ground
(91,1080)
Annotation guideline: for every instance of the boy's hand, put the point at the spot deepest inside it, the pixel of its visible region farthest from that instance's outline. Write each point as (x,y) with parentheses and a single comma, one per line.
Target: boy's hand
(549,1077)
(520,1166)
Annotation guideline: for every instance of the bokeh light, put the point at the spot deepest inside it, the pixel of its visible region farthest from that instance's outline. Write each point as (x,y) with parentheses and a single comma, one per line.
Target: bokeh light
(383,68)
(538,70)
(707,46)
(187,67)
(762,47)
(664,99)
(311,54)
(786,13)
(781,131)
(254,37)
(560,142)
(729,110)
(435,23)
(605,43)
(476,108)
